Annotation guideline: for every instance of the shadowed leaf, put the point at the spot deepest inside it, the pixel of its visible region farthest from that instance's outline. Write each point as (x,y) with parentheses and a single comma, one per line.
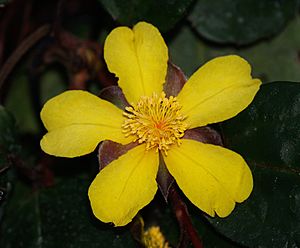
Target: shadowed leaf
(267,135)
(241,21)
(163,14)
(8,136)
(60,216)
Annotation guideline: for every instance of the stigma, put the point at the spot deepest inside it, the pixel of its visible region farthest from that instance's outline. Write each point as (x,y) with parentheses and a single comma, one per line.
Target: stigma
(156,121)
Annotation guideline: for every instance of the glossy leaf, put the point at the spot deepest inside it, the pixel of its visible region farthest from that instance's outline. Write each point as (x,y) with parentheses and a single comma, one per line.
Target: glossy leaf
(163,14)
(241,21)
(267,135)
(60,216)
(265,58)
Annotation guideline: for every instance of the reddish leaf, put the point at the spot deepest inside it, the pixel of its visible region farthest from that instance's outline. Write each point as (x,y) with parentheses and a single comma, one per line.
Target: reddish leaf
(175,80)
(164,179)
(205,135)
(109,151)
(114,95)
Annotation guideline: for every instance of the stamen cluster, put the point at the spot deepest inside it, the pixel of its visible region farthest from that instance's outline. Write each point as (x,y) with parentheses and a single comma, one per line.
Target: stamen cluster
(153,238)
(155,120)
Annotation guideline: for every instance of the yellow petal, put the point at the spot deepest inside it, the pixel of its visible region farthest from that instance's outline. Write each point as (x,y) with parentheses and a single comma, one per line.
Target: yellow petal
(77,121)
(79,107)
(76,140)
(139,58)
(212,177)
(124,186)
(217,91)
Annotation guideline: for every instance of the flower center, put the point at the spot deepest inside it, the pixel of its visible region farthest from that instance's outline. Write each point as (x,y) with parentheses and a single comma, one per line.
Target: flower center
(155,120)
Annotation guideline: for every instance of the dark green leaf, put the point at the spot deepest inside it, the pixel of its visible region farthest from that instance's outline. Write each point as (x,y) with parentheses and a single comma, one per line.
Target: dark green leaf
(212,239)
(8,136)
(3,3)
(267,135)
(163,14)
(268,131)
(19,102)
(265,58)
(241,21)
(60,216)
(8,148)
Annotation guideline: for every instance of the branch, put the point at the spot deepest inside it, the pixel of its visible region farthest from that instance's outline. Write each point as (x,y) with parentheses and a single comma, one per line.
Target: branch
(20,51)
(3,169)
(187,229)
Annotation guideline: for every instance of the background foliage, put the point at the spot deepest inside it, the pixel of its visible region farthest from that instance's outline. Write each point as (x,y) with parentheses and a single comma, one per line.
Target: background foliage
(48,46)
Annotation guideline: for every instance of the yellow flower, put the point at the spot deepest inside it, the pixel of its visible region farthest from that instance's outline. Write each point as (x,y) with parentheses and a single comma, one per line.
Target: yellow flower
(212,177)
(153,238)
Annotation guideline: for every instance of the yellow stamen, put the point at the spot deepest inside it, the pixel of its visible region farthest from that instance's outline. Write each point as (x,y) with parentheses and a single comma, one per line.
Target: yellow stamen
(155,120)
(153,238)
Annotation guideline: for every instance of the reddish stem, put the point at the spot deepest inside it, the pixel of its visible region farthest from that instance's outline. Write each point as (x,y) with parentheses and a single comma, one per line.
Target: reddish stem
(186,226)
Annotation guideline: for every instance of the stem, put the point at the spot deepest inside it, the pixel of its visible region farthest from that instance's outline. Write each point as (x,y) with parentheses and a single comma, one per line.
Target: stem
(20,51)
(40,175)
(4,169)
(187,229)
(57,21)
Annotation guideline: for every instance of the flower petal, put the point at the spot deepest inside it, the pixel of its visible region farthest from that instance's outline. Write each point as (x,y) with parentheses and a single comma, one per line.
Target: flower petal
(77,121)
(80,107)
(76,140)
(139,58)
(217,91)
(124,186)
(212,177)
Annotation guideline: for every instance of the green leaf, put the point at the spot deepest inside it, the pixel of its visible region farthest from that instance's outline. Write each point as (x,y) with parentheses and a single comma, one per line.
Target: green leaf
(265,57)
(241,21)
(7,130)
(8,136)
(60,216)
(163,14)
(9,147)
(211,238)
(3,3)
(51,84)
(267,135)
(19,102)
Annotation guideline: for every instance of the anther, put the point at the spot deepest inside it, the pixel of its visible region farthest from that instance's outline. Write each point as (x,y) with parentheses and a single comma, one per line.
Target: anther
(155,120)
